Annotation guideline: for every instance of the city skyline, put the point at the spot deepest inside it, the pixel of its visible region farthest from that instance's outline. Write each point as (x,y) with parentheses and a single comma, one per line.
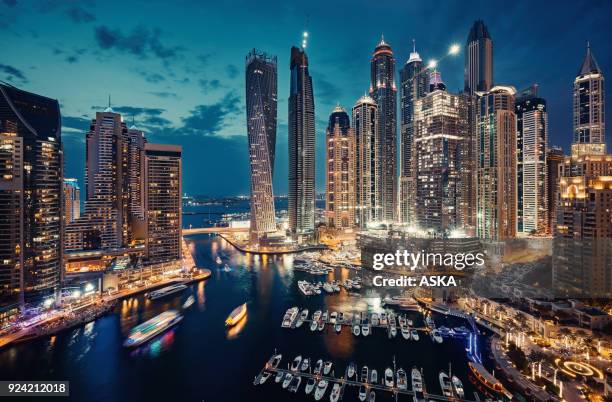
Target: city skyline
(111,50)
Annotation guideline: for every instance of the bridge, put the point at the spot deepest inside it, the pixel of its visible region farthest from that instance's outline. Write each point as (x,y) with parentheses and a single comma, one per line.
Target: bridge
(213,230)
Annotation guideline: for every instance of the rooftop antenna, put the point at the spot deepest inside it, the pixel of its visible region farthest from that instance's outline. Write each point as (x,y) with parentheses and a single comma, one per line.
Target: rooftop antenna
(109,101)
(305,34)
(413,45)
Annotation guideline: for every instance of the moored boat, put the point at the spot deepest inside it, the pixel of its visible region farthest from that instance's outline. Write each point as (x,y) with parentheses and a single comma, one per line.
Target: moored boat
(458,387)
(389,377)
(168,290)
(373,376)
(310,386)
(296,363)
(318,367)
(295,384)
(363,393)
(372,396)
(279,377)
(402,381)
(364,374)
(417,381)
(264,377)
(335,393)
(414,334)
(289,317)
(303,317)
(487,378)
(356,329)
(287,380)
(350,371)
(327,367)
(320,391)
(305,364)
(445,385)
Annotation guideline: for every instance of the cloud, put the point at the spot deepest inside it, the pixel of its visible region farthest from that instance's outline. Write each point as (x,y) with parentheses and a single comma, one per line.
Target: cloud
(231,71)
(13,74)
(80,15)
(164,95)
(153,78)
(210,119)
(205,58)
(210,85)
(75,124)
(141,42)
(325,91)
(10,3)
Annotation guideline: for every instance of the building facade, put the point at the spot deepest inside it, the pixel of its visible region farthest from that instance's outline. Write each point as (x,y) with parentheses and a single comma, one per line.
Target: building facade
(261,101)
(414,84)
(496,172)
(72,200)
(301,202)
(554,157)
(384,92)
(365,126)
(531,145)
(31,208)
(340,171)
(478,71)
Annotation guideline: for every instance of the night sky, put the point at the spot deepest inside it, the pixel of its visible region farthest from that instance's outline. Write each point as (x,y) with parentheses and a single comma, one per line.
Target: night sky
(177,67)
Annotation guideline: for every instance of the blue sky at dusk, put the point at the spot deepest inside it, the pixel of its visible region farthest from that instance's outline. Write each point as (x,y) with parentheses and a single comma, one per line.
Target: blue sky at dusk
(177,66)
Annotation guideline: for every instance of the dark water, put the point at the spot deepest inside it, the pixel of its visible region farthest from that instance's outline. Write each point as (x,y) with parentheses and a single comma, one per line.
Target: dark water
(200,361)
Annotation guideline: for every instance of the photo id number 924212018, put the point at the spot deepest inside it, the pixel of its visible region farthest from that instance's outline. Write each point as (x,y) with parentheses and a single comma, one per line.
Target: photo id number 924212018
(34,388)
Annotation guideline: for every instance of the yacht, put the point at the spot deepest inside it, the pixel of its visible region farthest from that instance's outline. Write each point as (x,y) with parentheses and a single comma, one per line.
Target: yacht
(373,376)
(305,364)
(151,328)
(290,317)
(218,260)
(350,371)
(375,320)
(338,328)
(389,377)
(296,363)
(189,302)
(445,385)
(356,329)
(363,393)
(168,290)
(417,381)
(226,268)
(402,380)
(435,336)
(295,384)
(429,321)
(279,377)
(321,325)
(303,317)
(264,377)
(406,332)
(328,288)
(365,328)
(306,288)
(409,322)
(335,393)
(458,387)
(340,319)
(320,391)
(287,380)
(327,367)
(313,325)
(364,374)
(317,315)
(274,361)
(372,396)
(310,386)
(318,367)
(383,319)
(393,332)
(414,334)
(325,316)
(333,317)
(487,379)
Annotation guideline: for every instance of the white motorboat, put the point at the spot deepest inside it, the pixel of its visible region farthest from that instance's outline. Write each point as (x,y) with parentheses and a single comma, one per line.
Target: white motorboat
(320,391)
(429,321)
(409,322)
(363,393)
(365,327)
(321,325)
(333,317)
(414,334)
(402,381)
(295,384)
(328,288)
(375,319)
(313,325)
(303,317)
(287,380)
(372,396)
(458,387)
(389,377)
(405,332)
(340,319)
(296,363)
(226,268)
(435,336)
(325,316)
(335,393)
(445,385)
(290,316)
(305,364)
(338,328)
(417,381)
(393,332)
(189,302)
(350,371)
(356,330)
(318,367)
(383,319)
(317,315)
(279,377)
(364,374)
(310,386)
(264,377)
(218,260)
(373,376)
(168,290)
(274,361)
(327,367)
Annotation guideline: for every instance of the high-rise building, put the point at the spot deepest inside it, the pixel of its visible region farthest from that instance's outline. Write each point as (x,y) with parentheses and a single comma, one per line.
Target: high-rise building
(365,126)
(496,172)
(414,84)
(136,146)
(72,200)
(440,133)
(301,147)
(30,200)
(261,100)
(478,71)
(162,178)
(554,157)
(531,171)
(340,171)
(589,108)
(384,92)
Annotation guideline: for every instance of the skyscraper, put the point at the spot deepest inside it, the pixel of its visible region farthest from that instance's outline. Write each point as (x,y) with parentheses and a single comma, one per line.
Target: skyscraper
(30,199)
(554,157)
(496,173)
(414,84)
(301,146)
(136,147)
(261,100)
(440,132)
(340,171)
(383,90)
(162,176)
(365,126)
(589,108)
(532,142)
(478,71)
(72,201)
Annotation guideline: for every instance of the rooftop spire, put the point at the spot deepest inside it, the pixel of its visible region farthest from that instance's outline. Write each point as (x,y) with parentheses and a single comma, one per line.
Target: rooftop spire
(109,109)
(589,64)
(414,56)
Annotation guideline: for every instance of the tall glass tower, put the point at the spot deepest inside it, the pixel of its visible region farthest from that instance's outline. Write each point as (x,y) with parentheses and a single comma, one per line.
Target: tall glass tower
(383,90)
(365,123)
(478,59)
(301,146)
(261,101)
(414,83)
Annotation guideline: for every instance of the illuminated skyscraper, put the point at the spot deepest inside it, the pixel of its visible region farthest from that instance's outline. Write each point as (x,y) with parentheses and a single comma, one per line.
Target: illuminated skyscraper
(384,92)
(72,202)
(496,173)
(136,147)
(365,126)
(532,141)
(478,59)
(589,108)
(30,200)
(261,100)
(414,84)
(554,157)
(301,146)
(340,171)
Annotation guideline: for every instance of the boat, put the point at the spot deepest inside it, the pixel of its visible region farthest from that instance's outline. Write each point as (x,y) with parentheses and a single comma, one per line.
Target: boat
(402,381)
(414,334)
(321,325)
(429,321)
(236,315)
(305,364)
(313,325)
(393,332)
(363,393)
(338,328)
(372,396)
(328,288)
(295,384)
(375,320)
(364,374)
(310,386)
(274,361)
(333,317)
(317,315)
(383,319)
(325,316)
(335,393)
(279,377)
(218,260)
(287,380)
(340,319)
(168,290)
(151,328)
(435,336)
(327,367)
(318,367)
(487,378)
(373,376)
(296,363)
(389,377)
(189,302)
(409,322)
(264,377)
(417,381)
(226,268)
(458,387)
(365,328)
(303,317)
(356,330)
(405,332)
(290,317)
(306,288)
(350,371)
(445,385)
(320,391)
